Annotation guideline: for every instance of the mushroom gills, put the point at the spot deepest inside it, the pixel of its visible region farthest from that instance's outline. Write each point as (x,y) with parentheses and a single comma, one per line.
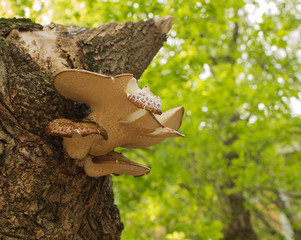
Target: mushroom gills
(113,163)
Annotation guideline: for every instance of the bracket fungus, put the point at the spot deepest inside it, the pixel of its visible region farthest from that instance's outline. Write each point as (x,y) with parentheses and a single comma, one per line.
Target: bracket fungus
(122,115)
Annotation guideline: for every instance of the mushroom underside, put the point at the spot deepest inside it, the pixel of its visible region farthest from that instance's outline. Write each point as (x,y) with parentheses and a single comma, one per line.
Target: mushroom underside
(113,163)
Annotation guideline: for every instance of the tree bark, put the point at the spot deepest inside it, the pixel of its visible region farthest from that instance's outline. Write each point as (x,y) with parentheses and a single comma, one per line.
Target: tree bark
(240,226)
(43,194)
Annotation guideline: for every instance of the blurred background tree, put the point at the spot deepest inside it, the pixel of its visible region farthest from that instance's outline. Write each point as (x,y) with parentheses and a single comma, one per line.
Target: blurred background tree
(235,66)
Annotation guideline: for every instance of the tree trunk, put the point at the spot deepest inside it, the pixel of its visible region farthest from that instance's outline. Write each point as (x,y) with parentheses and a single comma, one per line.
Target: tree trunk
(43,194)
(240,224)
(239,227)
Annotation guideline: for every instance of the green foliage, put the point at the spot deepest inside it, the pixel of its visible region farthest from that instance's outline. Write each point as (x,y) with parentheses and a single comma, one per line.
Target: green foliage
(235,75)
(17,23)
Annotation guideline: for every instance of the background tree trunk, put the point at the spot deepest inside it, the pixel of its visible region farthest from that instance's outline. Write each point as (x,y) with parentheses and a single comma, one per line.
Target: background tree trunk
(43,194)
(240,225)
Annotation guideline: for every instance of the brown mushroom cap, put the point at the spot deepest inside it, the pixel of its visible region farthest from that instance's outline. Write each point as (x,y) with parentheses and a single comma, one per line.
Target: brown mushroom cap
(146,100)
(94,89)
(63,127)
(113,163)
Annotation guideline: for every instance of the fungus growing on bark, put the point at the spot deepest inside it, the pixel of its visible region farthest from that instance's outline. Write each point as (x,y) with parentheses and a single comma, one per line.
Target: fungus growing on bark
(113,163)
(122,115)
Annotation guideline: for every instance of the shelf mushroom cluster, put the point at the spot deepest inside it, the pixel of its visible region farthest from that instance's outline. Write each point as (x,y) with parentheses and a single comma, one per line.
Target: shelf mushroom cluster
(122,115)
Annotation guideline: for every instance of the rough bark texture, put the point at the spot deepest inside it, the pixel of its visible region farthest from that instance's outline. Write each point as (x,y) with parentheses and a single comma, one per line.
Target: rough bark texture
(43,194)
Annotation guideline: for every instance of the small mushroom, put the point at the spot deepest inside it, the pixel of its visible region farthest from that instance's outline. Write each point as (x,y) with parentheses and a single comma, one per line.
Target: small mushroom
(113,163)
(122,114)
